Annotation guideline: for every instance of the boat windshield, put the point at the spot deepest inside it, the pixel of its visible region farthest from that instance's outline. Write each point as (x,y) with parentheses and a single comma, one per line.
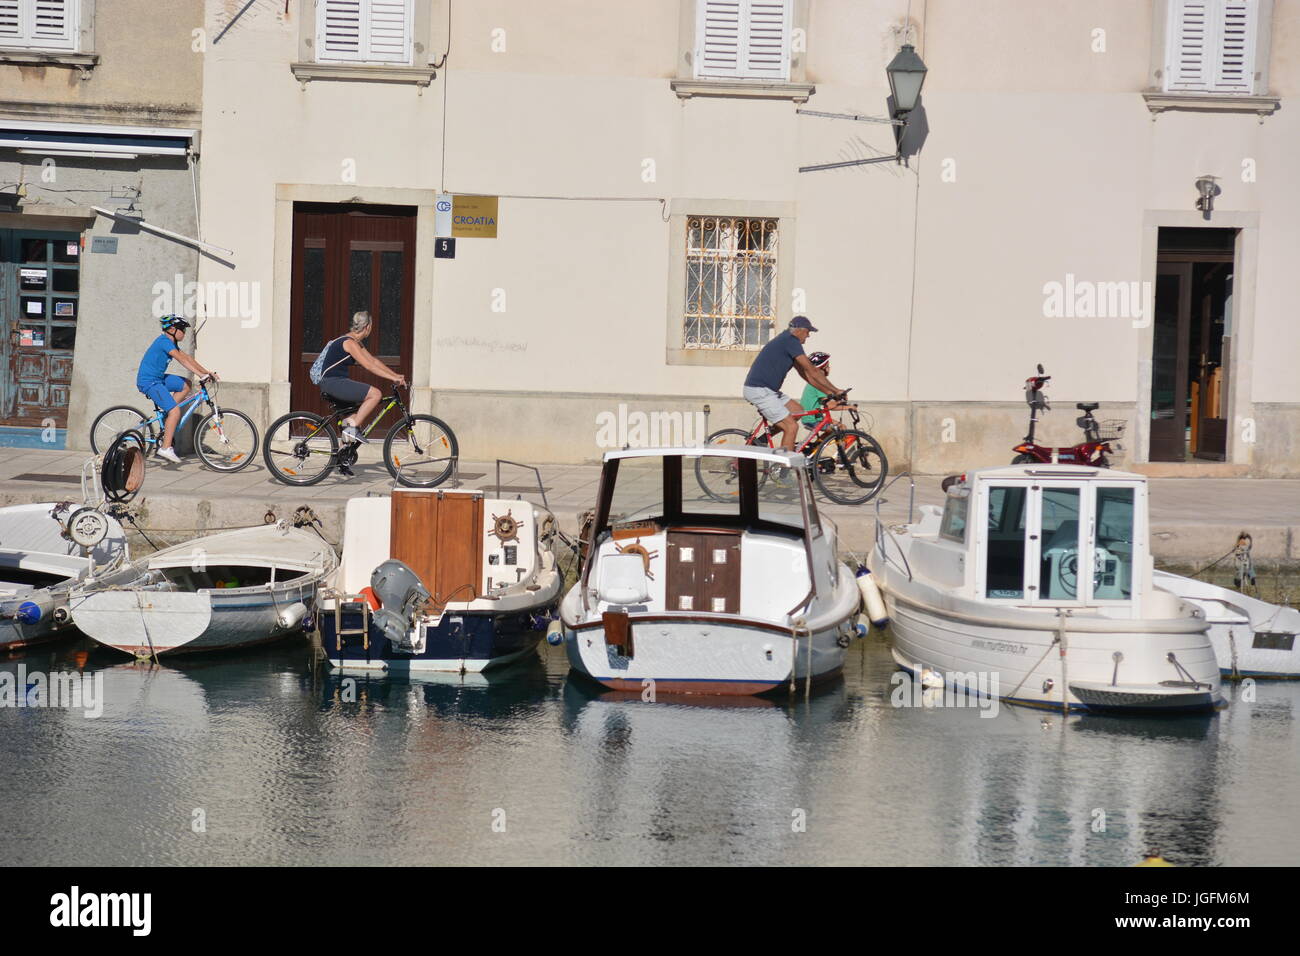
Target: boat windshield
(706,486)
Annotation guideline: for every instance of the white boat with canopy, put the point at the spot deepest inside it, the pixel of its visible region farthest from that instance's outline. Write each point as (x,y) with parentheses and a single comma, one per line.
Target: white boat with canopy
(688,591)
(1037,580)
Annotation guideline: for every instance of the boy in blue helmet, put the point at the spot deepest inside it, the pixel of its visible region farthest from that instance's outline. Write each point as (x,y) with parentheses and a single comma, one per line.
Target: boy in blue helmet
(167,391)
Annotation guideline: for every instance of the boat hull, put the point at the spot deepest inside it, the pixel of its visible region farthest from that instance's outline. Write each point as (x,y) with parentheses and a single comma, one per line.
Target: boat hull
(167,623)
(687,655)
(461,642)
(1026,667)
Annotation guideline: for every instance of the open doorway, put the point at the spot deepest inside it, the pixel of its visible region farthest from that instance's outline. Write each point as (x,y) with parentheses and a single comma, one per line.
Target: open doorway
(1192,345)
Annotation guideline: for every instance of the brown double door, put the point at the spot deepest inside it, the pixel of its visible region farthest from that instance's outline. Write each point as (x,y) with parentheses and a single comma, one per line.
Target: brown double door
(350,258)
(703,572)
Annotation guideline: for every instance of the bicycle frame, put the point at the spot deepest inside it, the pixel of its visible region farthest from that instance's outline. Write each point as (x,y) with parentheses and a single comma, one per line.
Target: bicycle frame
(827,422)
(159,418)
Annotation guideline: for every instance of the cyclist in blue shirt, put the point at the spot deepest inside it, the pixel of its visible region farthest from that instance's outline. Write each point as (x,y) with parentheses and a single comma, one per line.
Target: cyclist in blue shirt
(164,390)
(767,375)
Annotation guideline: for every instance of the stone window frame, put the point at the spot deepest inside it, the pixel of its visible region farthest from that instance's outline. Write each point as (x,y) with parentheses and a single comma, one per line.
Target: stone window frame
(83,58)
(420,73)
(1158,100)
(685,84)
(675,333)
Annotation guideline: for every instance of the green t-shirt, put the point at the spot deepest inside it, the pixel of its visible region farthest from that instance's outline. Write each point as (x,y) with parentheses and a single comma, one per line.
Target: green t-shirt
(811,396)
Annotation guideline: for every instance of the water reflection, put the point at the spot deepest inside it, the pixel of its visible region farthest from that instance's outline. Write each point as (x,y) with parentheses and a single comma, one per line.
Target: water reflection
(283,761)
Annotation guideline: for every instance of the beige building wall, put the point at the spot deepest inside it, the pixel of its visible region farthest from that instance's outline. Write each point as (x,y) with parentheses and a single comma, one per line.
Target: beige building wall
(1042,159)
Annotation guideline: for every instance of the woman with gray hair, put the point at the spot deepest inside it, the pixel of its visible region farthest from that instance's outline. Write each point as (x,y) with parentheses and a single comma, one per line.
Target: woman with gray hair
(346,351)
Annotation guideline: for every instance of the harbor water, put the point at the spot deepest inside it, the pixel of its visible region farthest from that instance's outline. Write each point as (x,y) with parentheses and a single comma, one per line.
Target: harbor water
(268,758)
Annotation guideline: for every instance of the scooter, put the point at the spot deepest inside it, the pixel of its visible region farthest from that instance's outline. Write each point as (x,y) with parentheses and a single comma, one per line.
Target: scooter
(1101,439)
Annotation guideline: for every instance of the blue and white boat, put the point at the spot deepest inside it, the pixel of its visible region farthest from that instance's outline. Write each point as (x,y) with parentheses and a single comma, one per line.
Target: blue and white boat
(440,581)
(41,562)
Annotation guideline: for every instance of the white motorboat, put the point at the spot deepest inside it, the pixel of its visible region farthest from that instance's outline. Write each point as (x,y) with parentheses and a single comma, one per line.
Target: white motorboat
(1251,638)
(218,592)
(41,562)
(1034,583)
(440,581)
(708,571)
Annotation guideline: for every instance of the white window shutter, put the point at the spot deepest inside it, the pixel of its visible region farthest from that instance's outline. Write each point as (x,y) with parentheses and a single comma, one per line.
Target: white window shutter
(364,31)
(718,38)
(388,31)
(1235,72)
(338,29)
(767,48)
(39,24)
(1211,46)
(746,39)
(10,23)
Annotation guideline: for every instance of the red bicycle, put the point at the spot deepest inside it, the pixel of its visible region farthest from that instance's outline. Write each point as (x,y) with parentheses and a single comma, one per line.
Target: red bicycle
(848,465)
(1100,439)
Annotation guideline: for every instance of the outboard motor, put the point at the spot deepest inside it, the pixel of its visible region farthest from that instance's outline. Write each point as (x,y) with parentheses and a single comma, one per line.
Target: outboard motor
(402,595)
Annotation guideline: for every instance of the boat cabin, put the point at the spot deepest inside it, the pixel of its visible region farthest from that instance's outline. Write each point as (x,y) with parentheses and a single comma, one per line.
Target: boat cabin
(661,542)
(1049,535)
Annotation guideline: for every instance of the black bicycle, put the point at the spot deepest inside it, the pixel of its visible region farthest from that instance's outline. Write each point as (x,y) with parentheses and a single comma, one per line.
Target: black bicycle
(301,448)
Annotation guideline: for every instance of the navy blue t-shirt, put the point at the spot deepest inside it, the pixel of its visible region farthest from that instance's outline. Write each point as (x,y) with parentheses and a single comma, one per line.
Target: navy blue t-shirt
(774,362)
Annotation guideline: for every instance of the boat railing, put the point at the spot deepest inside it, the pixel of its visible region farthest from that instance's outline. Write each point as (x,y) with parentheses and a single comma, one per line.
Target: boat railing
(884,536)
(536,473)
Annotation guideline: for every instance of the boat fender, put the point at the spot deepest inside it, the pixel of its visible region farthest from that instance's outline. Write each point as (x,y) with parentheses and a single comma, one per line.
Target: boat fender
(62,615)
(861,626)
(30,612)
(371,597)
(555,633)
(293,615)
(871,599)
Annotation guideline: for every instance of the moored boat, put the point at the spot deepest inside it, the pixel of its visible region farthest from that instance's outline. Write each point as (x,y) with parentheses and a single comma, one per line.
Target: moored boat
(40,564)
(1034,583)
(708,571)
(1251,638)
(218,592)
(440,581)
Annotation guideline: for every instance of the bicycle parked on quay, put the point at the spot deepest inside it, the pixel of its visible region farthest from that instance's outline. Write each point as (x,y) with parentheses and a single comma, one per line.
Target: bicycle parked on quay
(224,439)
(847,464)
(302,448)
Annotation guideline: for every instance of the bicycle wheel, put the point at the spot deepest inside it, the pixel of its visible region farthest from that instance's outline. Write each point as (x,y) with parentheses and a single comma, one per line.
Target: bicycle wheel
(300,448)
(717,475)
(226,440)
(849,467)
(112,422)
(420,451)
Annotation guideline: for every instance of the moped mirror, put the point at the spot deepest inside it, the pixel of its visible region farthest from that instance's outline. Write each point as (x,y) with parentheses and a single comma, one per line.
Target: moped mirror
(1040,368)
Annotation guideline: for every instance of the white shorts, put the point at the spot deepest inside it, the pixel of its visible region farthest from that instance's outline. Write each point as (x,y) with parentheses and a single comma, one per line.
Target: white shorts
(770,403)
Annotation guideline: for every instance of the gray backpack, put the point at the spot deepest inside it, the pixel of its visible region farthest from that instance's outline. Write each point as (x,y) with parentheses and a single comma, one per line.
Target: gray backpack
(318,369)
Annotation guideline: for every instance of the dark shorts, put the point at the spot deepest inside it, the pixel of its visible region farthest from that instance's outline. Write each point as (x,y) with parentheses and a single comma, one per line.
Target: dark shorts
(343,389)
(160,393)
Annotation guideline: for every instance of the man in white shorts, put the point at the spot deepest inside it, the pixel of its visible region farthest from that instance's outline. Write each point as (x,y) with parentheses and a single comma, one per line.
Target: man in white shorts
(767,375)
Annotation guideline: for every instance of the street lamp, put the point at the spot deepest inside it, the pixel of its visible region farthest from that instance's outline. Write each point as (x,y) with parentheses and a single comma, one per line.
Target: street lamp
(906,75)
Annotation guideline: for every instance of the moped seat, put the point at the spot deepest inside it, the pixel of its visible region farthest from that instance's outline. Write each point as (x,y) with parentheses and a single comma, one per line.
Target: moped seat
(1088,406)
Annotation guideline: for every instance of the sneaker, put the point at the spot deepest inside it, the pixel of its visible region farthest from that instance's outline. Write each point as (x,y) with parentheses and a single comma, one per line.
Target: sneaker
(168,455)
(345,470)
(351,434)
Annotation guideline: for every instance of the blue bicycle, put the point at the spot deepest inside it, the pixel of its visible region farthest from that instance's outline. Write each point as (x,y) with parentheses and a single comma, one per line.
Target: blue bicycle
(225,439)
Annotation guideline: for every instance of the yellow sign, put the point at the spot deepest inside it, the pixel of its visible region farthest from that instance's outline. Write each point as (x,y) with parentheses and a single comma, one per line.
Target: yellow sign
(474,217)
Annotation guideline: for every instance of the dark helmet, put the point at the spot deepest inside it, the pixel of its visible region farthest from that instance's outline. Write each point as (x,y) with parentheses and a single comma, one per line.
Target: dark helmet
(819,359)
(169,322)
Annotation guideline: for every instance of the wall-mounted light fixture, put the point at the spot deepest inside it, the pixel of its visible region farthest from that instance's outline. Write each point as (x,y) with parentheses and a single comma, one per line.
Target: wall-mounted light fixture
(1208,189)
(906,75)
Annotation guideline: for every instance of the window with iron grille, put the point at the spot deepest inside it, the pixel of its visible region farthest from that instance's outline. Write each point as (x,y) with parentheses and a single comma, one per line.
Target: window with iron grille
(730,282)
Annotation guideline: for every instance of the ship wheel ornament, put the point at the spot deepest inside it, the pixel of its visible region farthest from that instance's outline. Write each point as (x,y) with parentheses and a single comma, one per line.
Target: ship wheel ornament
(636,547)
(505,527)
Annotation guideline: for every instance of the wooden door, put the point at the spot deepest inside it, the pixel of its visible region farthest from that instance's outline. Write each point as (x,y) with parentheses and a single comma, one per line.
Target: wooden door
(703,572)
(40,305)
(439,536)
(349,258)
(1169,362)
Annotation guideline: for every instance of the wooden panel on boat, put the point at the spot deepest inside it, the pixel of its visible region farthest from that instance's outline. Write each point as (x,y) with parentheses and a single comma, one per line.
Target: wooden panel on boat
(618,632)
(439,536)
(703,572)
